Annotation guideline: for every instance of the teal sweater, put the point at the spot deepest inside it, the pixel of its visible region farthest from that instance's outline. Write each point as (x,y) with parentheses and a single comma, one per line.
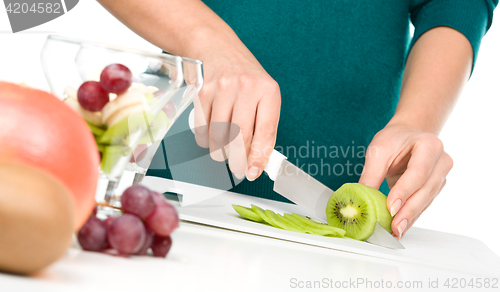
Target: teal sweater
(339,65)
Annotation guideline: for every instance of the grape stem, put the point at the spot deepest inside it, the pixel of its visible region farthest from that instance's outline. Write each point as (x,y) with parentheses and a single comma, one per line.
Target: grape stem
(106,204)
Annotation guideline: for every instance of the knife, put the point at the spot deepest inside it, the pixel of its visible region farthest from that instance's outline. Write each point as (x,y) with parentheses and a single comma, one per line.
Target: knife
(299,187)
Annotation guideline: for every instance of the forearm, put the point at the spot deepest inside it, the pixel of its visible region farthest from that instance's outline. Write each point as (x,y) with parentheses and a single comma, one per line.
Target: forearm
(437,68)
(181,27)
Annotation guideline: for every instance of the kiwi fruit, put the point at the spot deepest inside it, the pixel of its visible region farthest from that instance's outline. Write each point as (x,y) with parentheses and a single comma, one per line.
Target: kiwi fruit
(290,222)
(312,227)
(111,155)
(247,213)
(119,133)
(282,224)
(36,219)
(157,129)
(97,131)
(287,221)
(263,215)
(356,208)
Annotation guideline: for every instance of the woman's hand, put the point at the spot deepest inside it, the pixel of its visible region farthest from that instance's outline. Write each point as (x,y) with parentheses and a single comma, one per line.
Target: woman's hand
(415,166)
(240,103)
(236,88)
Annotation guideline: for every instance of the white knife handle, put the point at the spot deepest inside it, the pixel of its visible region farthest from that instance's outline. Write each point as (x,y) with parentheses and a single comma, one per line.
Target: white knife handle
(274,164)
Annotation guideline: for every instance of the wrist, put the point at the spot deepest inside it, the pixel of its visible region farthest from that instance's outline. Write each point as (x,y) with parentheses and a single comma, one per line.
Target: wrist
(414,122)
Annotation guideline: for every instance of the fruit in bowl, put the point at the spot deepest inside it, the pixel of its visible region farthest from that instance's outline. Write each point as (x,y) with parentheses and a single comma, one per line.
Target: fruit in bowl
(116,109)
(40,131)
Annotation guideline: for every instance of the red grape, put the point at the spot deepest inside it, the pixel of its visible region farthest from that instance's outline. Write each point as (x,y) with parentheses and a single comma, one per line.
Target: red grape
(147,243)
(92,236)
(92,96)
(116,78)
(127,234)
(159,198)
(94,212)
(164,219)
(161,245)
(137,200)
(109,220)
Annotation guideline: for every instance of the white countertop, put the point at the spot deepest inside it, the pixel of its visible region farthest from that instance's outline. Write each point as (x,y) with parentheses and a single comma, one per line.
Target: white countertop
(205,258)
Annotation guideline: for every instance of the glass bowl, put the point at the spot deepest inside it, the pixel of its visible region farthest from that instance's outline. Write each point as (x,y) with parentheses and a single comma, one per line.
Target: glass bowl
(131,125)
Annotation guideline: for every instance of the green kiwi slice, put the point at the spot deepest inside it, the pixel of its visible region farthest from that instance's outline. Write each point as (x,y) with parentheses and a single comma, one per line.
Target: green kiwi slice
(111,155)
(159,123)
(282,224)
(247,213)
(287,221)
(291,222)
(315,228)
(263,215)
(97,131)
(101,147)
(119,133)
(356,208)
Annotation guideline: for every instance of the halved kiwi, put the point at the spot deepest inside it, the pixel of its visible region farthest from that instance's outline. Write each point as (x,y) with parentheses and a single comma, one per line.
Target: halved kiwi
(247,213)
(356,208)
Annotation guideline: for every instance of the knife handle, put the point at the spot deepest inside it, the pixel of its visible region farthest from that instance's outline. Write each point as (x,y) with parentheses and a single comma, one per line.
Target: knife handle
(273,165)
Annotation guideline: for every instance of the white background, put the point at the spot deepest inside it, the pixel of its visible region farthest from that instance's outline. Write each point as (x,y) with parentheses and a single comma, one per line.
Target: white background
(468,205)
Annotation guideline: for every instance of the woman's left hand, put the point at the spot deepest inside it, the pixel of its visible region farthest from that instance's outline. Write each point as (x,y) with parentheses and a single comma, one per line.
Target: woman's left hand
(415,166)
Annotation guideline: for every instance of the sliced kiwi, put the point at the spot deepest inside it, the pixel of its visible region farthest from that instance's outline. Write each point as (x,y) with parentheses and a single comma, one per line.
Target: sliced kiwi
(247,213)
(119,133)
(289,222)
(282,224)
(313,227)
(111,155)
(97,131)
(356,208)
(156,130)
(101,147)
(263,215)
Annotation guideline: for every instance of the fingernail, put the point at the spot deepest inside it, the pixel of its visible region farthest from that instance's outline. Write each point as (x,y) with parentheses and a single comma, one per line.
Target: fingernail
(252,173)
(395,207)
(402,227)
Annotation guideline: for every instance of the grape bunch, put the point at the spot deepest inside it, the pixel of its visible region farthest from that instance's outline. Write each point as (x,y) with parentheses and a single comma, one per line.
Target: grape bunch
(146,223)
(93,95)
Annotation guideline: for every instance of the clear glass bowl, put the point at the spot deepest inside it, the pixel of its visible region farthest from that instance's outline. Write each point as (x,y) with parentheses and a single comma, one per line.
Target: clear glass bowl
(130,127)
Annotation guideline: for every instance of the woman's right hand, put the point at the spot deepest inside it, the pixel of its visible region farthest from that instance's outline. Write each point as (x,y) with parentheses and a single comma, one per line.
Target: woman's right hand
(239,104)
(236,88)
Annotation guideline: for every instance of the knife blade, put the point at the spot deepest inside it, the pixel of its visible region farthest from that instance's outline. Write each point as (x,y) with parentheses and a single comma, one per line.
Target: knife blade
(299,187)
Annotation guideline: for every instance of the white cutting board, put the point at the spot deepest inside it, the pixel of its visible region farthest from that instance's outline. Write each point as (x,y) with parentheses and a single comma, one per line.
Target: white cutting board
(422,246)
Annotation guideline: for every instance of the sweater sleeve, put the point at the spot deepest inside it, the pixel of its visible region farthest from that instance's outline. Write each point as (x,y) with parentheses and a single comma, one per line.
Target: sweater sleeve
(472,18)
